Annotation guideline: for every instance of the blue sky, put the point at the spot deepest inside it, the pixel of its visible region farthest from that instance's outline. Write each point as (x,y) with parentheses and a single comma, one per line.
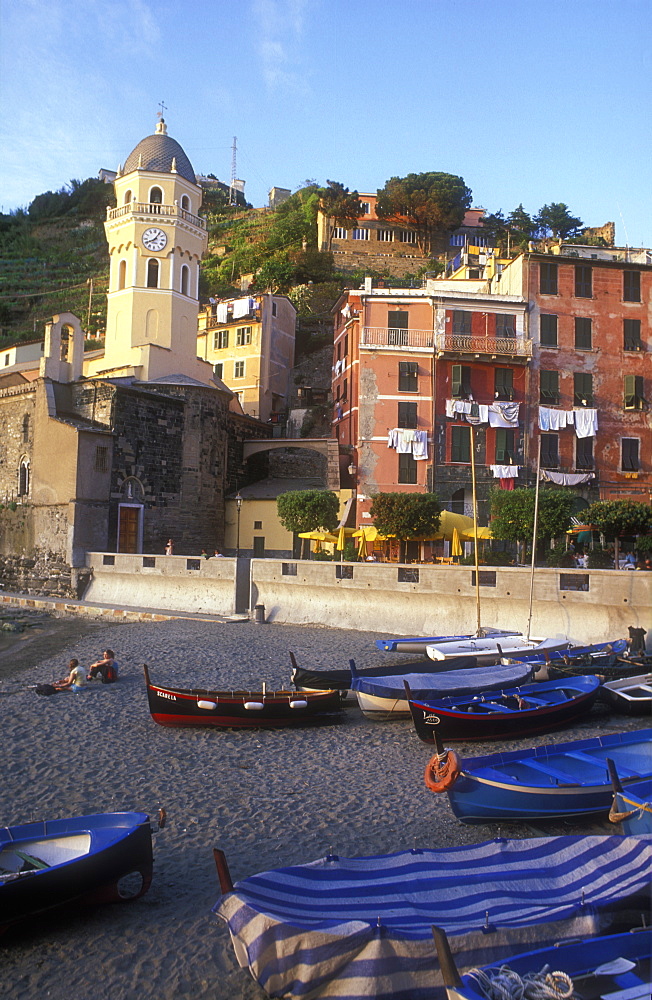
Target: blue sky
(530,102)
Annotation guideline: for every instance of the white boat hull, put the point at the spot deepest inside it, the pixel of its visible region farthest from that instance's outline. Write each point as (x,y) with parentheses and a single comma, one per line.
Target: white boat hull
(487,651)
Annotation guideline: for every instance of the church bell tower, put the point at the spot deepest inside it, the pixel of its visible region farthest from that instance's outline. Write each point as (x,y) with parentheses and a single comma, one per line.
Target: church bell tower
(156,241)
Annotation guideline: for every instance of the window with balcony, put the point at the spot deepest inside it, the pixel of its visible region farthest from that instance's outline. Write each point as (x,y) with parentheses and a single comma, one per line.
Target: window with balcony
(407,470)
(462,322)
(582,389)
(360,234)
(408,376)
(583,281)
(549,388)
(461,381)
(584,453)
(385,235)
(583,333)
(629,454)
(407,415)
(504,452)
(505,325)
(220,339)
(397,323)
(548,330)
(632,335)
(461,444)
(503,383)
(548,278)
(239,369)
(634,392)
(632,286)
(549,451)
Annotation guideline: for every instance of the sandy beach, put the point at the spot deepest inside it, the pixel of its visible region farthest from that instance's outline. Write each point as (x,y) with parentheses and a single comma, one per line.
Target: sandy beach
(266,798)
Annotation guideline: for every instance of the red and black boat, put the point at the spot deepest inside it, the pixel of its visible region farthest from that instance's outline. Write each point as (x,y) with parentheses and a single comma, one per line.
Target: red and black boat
(505,714)
(237,709)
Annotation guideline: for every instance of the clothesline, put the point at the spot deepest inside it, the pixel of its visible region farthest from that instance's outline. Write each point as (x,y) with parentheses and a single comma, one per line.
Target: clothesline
(496,414)
(408,441)
(584,420)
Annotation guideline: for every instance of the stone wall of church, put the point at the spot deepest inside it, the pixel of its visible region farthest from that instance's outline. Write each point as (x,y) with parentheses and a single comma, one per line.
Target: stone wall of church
(16,435)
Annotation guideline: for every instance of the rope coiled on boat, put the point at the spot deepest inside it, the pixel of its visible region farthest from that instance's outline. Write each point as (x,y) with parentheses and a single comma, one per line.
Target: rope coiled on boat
(504,984)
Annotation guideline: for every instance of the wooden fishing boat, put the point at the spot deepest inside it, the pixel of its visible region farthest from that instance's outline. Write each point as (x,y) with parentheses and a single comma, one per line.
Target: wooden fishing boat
(305,679)
(506,714)
(629,695)
(383,698)
(613,965)
(106,857)
(563,779)
(492,649)
(417,644)
(354,927)
(632,806)
(237,709)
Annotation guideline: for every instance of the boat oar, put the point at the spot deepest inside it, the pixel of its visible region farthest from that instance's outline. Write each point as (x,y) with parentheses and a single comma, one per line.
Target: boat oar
(614,815)
(223,873)
(447,965)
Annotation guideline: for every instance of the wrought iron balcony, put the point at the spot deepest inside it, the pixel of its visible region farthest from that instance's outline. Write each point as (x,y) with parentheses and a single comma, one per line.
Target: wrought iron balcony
(151,211)
(461,343)
(395,337)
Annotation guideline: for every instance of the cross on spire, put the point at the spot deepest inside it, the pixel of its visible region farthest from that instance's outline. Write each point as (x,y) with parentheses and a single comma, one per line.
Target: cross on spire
(163,108)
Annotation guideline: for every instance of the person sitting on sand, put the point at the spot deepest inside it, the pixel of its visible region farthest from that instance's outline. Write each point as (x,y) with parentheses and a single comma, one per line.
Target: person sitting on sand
(107,668)
(75,679)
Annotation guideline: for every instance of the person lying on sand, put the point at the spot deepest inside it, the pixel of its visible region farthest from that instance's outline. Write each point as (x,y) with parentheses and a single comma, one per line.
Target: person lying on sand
(107,668)
(75,679)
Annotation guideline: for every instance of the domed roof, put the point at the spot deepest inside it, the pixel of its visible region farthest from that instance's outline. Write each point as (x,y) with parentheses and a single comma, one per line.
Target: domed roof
(160,152)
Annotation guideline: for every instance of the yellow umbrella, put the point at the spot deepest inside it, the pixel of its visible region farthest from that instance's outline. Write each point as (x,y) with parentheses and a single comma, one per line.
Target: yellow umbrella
(449,521)
(370,534)
(456,544)
(318,536)
(341,539)
(469,535)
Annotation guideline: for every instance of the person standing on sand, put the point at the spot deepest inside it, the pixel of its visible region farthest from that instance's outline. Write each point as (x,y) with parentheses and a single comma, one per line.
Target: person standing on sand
(107,668)
(75,679)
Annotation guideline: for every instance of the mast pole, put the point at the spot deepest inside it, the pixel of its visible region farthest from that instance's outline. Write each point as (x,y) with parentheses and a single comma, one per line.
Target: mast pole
(534,536)
(475,530)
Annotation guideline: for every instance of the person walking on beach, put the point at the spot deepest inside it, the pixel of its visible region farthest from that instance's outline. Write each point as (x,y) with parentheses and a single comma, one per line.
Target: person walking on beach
(75,679)
(169,547)
(107,668)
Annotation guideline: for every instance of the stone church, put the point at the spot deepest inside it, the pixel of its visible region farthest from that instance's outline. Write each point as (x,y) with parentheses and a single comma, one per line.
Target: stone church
(140,445)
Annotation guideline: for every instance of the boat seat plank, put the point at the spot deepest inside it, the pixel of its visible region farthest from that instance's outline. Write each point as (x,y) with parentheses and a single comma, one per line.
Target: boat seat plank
(552,772)
(623,771)
(642,991)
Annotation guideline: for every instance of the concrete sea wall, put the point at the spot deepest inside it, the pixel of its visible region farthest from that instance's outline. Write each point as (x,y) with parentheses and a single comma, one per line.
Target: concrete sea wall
(387,598)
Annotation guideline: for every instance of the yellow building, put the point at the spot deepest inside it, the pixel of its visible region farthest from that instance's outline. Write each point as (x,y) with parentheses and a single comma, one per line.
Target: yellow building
(249,341)
(156,240)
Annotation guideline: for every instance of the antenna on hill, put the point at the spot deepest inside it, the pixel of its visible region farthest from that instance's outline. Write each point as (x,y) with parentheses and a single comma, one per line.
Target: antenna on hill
(233,193)
(624,226)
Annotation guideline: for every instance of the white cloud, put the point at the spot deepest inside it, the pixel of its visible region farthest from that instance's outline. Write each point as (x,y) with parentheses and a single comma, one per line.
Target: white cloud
(279,30)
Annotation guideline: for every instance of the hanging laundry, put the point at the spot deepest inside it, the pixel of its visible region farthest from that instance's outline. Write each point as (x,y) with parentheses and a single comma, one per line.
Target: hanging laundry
(507,484)
(566,478)
(553,420)
(221,313)
(479,414)
(242,307)
(505,471)
(503,414)
(392,437)
(586,423)
(450,412)
(420,446)
(405,440)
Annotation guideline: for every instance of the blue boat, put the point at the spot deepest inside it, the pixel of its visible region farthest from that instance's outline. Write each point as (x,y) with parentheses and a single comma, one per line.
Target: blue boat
(354,927)
(596,654)
(506,714)
(105,857)
(632,806)
(563,779)
(384,697)
(614,965)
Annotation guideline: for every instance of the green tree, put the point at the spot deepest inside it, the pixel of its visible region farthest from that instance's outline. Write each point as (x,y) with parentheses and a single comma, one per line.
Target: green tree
(555,220)
(520,226)
(431,203)
(512,513)
(494,225)
(340,206)
(406,515)
(308,510)
(619,517)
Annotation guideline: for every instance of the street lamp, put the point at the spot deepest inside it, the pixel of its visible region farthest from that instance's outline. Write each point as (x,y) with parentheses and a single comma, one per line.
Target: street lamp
(238,504)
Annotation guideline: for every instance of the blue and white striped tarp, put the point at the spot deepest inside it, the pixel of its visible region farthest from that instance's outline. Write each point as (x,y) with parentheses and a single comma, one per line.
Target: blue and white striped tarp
(361,927)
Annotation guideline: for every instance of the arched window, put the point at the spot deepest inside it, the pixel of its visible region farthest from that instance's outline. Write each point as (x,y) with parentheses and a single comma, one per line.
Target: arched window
(26,428)
(185,279)
(129,196)
(122,274)
(152,273)
(185,203)
(155,198)
(23,478)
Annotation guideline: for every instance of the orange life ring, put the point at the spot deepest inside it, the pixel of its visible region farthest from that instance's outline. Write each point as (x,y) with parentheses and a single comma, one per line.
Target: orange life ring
(442,771)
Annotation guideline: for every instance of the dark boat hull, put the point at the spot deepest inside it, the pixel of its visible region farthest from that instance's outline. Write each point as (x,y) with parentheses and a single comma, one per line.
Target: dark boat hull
(566,779)
(120,845)
(630,696)
(180,707)
(318,680)
(451,721)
